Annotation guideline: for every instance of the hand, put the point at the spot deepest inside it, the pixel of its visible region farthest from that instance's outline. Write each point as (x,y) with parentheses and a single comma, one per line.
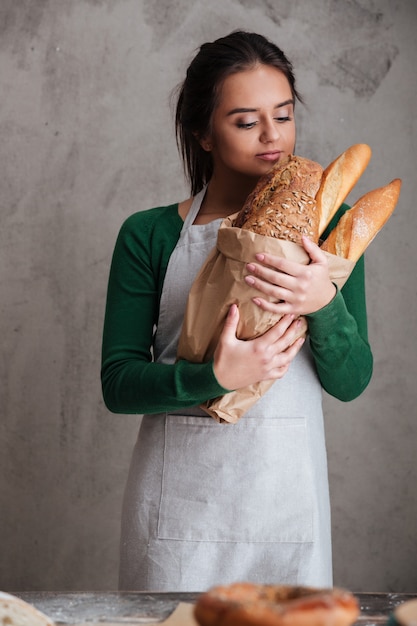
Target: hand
(292,288)
(239,363)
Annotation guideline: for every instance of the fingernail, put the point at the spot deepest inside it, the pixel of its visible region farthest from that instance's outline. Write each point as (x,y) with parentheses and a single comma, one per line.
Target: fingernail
(250,267)
(250,280)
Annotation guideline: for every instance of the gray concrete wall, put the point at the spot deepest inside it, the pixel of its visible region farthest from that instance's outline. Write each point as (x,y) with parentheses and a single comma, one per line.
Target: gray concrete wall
(86,138)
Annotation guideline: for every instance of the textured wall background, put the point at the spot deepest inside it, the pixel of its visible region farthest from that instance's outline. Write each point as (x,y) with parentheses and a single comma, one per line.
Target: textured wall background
(86,139)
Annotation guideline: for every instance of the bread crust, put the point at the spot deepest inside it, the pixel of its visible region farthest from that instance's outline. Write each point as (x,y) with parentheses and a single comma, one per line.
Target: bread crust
(16,612)
(249,604)
(338,180)
(283,205)
(360,224)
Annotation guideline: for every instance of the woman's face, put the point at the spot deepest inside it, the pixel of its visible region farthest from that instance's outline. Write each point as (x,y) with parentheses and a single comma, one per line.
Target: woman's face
(253,124)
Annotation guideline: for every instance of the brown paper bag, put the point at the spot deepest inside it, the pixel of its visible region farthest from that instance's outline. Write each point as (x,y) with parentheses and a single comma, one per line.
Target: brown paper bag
(219,284)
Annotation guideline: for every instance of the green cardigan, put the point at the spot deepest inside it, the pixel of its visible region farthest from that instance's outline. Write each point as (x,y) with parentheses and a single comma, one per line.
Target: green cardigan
(133,383)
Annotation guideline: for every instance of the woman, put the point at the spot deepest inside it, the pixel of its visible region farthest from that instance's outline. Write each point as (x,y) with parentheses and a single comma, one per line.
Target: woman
(206,503)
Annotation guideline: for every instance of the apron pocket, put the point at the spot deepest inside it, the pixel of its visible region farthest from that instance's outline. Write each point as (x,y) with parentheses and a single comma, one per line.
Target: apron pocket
(248,482)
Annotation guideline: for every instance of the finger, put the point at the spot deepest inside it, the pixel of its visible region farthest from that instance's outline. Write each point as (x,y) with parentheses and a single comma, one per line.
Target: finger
(313,251)
(285,332)
(275,293)
(268,281)
(279,372)
(285,358)
(296,330)
(292,350)
(274,263)
(279,329)
(278,306)
(295,348)
(302,328)
(231,323)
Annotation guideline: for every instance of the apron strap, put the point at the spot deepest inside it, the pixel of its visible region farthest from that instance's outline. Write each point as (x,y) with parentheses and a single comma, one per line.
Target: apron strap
(194,209)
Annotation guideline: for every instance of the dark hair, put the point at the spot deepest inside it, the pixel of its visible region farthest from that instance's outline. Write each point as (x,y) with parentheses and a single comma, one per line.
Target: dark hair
(198,93)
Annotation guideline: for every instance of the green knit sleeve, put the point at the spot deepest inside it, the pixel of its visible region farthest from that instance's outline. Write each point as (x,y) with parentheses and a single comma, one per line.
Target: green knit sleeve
(339,337)
(131,381)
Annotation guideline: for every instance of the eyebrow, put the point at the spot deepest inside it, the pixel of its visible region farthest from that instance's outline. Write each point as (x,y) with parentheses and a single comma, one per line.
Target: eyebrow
(246,110)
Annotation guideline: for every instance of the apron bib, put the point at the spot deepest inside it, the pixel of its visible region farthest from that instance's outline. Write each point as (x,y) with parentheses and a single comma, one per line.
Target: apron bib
(210,503)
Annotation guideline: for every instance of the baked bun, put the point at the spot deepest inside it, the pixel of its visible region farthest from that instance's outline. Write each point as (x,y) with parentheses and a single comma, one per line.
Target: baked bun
(282,205)
(248,604)
(17,612)
(338,180)
(359,225)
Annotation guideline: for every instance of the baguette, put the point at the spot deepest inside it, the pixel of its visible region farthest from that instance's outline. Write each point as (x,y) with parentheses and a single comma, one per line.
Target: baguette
(338,180)
(282,205)
(360,224)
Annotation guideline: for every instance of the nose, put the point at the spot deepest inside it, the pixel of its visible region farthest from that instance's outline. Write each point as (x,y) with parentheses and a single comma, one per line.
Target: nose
(269,131)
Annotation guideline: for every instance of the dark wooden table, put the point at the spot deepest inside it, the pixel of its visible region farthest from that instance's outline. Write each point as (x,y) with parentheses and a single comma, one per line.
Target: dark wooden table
(132,608)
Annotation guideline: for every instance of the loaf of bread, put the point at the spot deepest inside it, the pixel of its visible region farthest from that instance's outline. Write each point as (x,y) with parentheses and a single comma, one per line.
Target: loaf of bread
(360,224)
(338,180)
(250,604)
(283,205)
(297,197)
(17,612)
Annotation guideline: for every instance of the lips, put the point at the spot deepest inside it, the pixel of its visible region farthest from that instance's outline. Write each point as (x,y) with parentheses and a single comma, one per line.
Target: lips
(270,156)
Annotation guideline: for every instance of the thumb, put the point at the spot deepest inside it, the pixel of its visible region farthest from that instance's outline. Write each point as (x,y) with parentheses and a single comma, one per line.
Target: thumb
(313,251)
(230,325)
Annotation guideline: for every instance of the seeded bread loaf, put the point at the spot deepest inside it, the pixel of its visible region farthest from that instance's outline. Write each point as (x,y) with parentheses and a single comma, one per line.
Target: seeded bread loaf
(283,204)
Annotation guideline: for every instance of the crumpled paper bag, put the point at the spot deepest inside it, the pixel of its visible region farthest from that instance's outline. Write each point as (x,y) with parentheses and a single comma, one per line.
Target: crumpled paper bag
(219,284)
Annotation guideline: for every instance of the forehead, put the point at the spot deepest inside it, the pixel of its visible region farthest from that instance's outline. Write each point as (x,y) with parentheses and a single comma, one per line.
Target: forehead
(255,88)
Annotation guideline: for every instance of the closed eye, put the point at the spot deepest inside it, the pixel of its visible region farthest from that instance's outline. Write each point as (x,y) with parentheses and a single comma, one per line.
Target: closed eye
(246,125)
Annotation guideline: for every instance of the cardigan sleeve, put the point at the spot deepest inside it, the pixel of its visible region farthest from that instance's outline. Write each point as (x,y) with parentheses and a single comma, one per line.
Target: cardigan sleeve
(339,337)
(131,381)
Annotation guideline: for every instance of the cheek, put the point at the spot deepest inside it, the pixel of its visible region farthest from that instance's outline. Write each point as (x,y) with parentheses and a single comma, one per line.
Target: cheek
(231,147)
(290,134)
(289,143)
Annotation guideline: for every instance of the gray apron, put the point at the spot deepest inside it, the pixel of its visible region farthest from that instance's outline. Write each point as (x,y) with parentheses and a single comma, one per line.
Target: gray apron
(208,503)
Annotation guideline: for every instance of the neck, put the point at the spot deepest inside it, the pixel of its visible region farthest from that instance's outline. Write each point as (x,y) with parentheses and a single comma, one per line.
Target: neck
(224,198)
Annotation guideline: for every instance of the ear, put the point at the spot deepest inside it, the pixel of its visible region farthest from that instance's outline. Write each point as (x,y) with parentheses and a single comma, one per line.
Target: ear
(205,142)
